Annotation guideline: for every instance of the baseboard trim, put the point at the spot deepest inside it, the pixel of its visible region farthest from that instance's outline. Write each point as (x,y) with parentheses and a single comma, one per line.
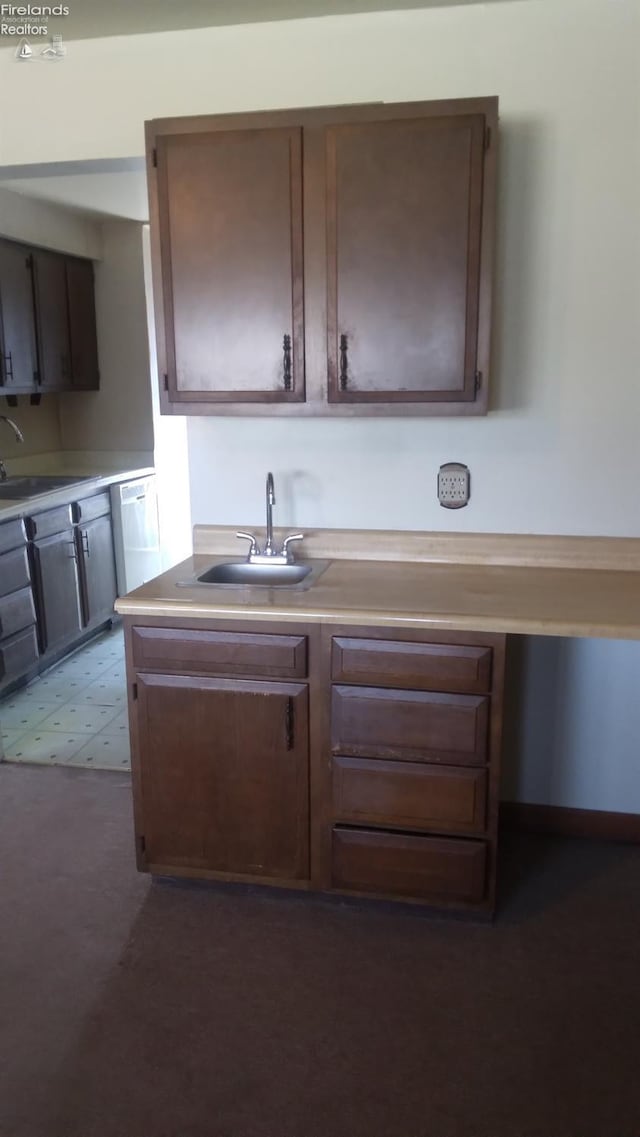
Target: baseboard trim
(565,822)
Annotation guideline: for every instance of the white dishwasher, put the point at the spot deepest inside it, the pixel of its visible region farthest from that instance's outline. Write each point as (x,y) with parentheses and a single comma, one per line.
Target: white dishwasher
(134,510)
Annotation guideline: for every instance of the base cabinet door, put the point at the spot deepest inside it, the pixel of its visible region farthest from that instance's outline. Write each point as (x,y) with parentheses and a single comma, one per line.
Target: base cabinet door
(223,768)
(97,570)
(57,590)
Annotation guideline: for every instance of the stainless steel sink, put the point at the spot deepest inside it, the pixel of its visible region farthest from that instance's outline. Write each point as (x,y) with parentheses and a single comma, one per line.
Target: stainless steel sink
(17,487)
(243,574)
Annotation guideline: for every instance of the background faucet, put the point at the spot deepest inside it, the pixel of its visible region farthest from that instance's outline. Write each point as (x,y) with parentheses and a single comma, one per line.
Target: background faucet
(19,438)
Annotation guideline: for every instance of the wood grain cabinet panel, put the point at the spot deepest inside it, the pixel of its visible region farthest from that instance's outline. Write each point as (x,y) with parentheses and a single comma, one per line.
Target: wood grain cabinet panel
(221,653)
(230,205)
(52,320)
(404,228)
(18,352)
(16,612)
(14,570)
(224,775)
(409,794)
(401,864)
(420,666)
(423,726)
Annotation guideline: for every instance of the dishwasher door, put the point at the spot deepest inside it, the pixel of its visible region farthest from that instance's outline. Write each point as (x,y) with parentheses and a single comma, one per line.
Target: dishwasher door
(134,508)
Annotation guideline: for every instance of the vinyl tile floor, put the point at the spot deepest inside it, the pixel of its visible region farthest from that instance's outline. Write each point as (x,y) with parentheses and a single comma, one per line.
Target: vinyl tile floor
(75,714)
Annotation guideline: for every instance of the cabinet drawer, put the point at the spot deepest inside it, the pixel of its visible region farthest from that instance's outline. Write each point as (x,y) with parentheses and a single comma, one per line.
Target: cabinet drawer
(52,521)
(404,864)
(409,794)
(12,535)
(16,612)
(422,726)
(423,667)
(18,654)
(14,571)
(219,653)
(89,508)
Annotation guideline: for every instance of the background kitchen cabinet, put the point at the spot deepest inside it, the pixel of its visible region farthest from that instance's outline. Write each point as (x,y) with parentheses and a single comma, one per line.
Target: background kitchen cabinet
(18,643)
(47,321)
(55,576)
(96,558)
(73,570)
(83,343)
(396,245)
(224,774)
(18,353)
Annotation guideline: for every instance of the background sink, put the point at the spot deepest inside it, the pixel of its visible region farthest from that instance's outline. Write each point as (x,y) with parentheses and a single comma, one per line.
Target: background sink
(28,486)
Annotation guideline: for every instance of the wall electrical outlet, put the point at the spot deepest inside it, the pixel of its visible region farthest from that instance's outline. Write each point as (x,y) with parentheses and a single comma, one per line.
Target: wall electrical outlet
(454,485)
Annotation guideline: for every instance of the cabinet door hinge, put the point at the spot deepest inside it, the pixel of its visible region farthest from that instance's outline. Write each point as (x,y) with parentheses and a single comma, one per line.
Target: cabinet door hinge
(477,381)
(134,691)
(487,137)
(142,844)
(155,158)
(29,261)
(166,382)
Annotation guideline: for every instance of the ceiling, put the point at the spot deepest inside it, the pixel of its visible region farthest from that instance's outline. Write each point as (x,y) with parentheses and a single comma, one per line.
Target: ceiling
(89,19)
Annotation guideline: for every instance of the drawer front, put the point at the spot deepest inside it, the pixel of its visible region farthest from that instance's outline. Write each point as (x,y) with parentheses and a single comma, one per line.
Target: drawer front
(16,612)
(17,655)
(46,524)
(88,508)
(420,666)
(421,726)
(12,535)
(14,571)
(399,864)
(409,794)
(219,653)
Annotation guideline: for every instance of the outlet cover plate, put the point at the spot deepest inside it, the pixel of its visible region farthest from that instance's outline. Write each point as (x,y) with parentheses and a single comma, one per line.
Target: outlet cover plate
(454,485)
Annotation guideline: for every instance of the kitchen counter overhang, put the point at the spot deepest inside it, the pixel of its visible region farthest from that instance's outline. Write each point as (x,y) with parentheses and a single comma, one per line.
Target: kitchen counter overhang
(546,585)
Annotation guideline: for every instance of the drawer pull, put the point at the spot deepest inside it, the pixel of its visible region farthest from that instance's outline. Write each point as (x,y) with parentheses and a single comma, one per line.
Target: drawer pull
(289,724)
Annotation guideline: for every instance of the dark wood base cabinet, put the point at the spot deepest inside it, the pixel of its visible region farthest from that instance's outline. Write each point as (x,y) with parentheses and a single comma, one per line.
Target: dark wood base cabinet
(357,760)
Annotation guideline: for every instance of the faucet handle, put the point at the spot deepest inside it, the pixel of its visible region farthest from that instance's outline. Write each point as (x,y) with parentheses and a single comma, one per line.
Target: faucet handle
(287,541)
(253,548)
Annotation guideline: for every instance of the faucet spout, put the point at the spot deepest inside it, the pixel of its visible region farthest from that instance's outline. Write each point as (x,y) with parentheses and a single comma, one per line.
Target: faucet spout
(271,501)
(19,438)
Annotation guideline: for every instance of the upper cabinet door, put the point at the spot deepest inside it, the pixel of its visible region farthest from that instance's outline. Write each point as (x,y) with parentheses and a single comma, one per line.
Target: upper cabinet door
(83,343)
(18,358)
(52,315)
(404,245)
(229,219)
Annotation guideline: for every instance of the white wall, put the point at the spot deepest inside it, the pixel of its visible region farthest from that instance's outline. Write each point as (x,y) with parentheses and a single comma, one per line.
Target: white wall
(559,452)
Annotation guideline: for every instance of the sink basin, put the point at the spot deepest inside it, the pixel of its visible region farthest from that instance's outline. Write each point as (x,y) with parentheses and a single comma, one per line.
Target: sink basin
(242,574)
(20,486)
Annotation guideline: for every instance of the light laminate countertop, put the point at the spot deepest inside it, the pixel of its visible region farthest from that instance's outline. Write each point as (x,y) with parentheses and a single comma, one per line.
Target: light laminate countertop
(449,592)
(88,483)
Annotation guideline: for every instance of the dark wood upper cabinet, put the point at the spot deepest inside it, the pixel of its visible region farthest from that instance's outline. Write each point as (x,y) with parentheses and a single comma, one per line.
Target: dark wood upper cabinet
(328,261)
(230,206)
(83,343)
(404,227)
(18,355)
(47,321)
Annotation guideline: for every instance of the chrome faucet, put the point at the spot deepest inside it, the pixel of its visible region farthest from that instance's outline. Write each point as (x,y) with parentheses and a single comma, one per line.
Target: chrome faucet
(19,438)
(269,556)
(271,501)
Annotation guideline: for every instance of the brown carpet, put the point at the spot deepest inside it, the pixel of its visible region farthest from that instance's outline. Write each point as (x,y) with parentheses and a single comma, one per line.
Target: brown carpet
(131,1009)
